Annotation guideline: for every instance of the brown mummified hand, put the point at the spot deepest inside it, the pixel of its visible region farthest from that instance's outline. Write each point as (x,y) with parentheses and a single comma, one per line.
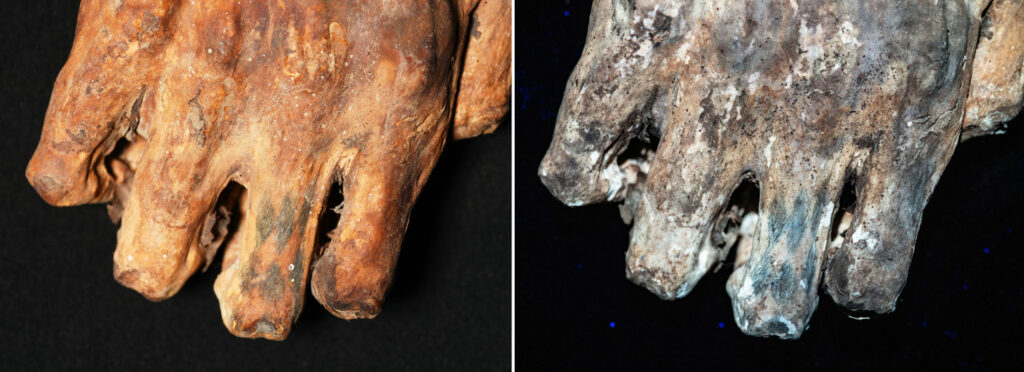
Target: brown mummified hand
(192,117)
(744,123)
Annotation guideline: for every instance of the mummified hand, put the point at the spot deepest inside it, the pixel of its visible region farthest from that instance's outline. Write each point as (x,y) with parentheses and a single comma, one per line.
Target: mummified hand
(188,114)
(741,123)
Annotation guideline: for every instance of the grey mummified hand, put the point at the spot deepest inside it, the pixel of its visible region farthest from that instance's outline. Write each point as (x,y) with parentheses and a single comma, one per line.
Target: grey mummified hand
(681,110)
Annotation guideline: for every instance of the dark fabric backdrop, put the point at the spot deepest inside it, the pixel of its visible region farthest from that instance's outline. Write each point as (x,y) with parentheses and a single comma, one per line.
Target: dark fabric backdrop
(60,308)
(958,311)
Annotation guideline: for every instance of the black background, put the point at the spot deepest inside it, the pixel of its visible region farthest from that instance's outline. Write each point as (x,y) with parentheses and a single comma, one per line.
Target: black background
(958,311)
(450,307)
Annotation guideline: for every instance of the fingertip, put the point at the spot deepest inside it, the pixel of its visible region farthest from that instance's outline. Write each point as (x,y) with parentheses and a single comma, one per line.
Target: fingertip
(352,300)
(49,176)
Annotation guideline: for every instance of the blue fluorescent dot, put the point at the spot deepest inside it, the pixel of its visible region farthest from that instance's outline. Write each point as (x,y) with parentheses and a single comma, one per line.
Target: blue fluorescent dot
(986,250)
(579,266)
(965,287)
(565,13)
(612,324)
(924,323)
(721,325)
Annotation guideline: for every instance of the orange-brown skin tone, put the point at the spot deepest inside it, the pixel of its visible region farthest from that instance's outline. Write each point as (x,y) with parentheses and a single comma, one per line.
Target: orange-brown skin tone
(483,99)
(283,98)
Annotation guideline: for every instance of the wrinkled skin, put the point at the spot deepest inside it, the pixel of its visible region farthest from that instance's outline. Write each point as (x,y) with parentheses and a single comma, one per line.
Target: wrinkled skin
(226,123)
(806,134)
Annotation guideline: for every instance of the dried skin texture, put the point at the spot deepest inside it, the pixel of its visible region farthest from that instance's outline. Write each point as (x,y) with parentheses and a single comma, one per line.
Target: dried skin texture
(486,76)
(193,117)
(807,134)
(997,83)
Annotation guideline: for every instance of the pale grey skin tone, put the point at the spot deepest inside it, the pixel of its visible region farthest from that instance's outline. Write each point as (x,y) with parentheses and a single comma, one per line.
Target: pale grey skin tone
(802,99)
